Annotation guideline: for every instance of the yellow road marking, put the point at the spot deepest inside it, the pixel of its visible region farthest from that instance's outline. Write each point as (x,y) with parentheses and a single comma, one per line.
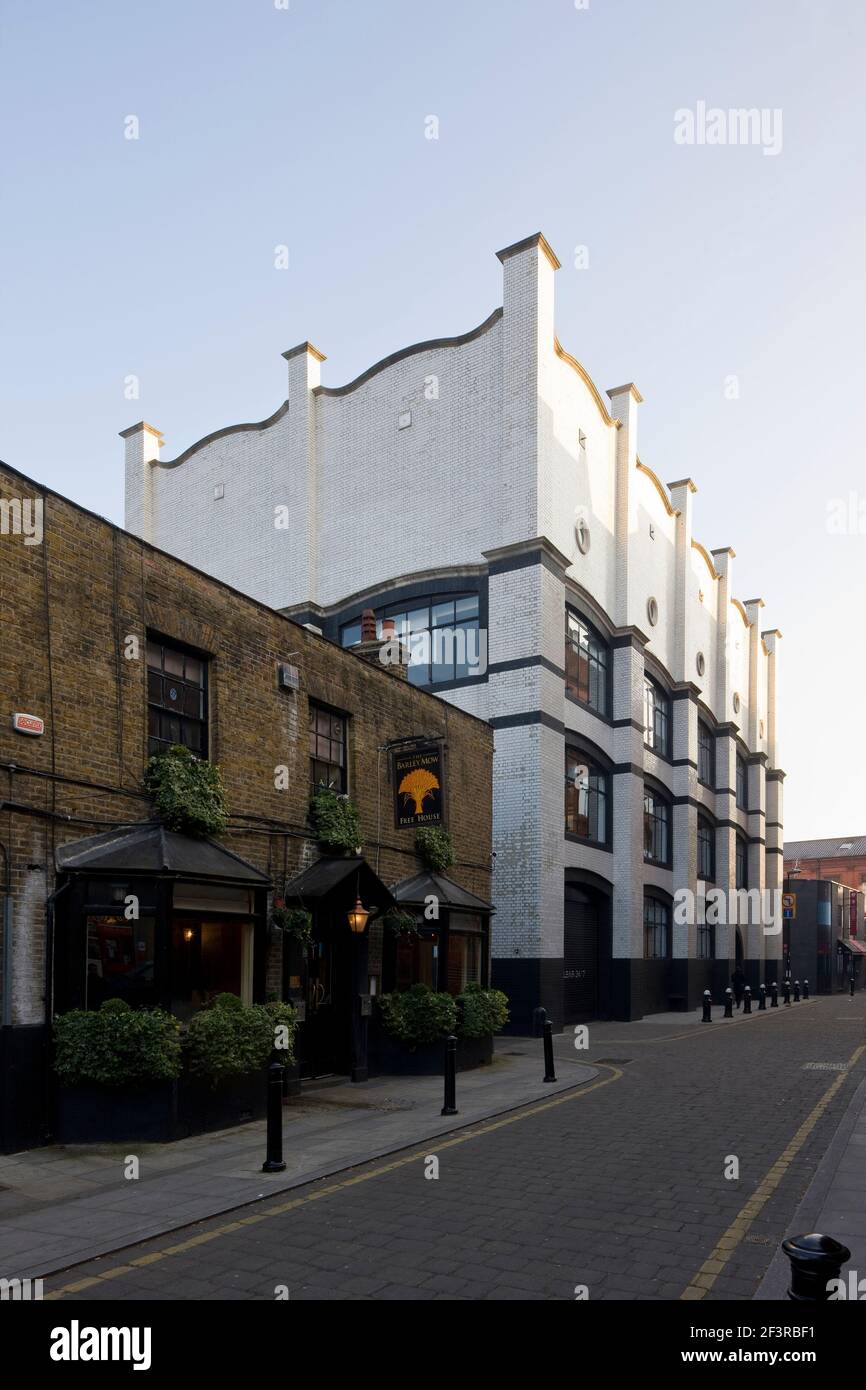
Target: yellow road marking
(712,1267)
(204,1237)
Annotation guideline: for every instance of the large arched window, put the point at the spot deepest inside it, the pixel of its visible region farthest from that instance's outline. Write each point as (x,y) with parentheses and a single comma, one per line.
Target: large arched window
(441,632)
(587,664)
(656,828)
(586,798)
(657,717)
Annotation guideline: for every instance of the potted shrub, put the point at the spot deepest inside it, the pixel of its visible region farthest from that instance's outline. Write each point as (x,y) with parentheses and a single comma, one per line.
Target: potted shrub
(435,847)
(227,1046)
(413,1024)
(335,822)
(116,1068)
(187,792)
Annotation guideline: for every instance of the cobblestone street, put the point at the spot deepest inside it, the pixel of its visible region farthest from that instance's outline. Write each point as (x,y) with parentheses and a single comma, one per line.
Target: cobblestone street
(618,1186)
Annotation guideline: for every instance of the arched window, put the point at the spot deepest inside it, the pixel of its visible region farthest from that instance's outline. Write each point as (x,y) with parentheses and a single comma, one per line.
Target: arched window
(657,718)
(656,828)
(706,849)
(441,632)
(706,754)
(586,798)
(587,664)
(656,929)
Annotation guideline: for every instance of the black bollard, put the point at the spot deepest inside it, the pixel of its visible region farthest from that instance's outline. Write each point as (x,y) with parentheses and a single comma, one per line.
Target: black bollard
(747,1000)
(786,992)
(450,1106)
(762,1001)
(274,1161)
(851,991)
(774,995)
(549,1073)
(729,1003)
(805,989)
(815,1260)
(708,1007)
(796,991)
(538,1017)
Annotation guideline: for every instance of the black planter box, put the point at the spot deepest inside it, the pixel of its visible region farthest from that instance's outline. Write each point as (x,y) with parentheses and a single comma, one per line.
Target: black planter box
(388,1057)
(160,1112)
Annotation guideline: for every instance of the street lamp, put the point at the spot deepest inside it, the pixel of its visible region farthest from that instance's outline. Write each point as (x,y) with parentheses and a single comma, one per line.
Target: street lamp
(358,917)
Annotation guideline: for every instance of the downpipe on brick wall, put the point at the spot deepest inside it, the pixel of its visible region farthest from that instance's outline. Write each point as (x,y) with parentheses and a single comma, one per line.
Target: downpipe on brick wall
(6,1005)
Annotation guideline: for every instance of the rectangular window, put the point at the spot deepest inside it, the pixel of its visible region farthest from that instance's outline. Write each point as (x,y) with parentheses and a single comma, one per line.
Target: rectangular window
(327,750)
(706,755)
(656,929)
(742,783)
(586,787)
(706,949)
(464,961)
(120,961)
(742,871)
(586,664)
(706,850)
(657,719)
(176,699)
(656,829)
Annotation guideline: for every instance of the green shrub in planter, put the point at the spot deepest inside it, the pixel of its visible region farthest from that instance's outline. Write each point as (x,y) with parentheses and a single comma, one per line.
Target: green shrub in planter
(230,1038)
(485,1011)
(418,1015)
(435,848)
(116,1046)
(282,1014)
(187,792)
(335,821)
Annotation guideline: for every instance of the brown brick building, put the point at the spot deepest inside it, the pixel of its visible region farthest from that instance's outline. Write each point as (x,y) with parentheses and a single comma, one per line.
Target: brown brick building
(842,859)
(115,649)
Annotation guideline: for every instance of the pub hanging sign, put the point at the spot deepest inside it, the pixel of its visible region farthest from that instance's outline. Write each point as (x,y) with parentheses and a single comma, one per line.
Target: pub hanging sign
(418,787)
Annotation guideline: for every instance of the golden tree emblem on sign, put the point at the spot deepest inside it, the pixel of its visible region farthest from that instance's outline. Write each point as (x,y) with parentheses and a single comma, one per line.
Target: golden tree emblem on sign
(416,786)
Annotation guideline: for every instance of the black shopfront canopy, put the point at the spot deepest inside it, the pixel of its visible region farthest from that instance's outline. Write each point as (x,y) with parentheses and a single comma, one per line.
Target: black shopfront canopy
(417,891)
(151,849)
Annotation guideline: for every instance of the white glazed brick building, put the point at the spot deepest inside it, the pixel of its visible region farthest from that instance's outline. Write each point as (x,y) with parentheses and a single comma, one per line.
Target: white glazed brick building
(486,475)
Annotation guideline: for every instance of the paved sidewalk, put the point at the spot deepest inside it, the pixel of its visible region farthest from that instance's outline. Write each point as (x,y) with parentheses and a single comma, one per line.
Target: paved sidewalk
(835,1203)
(64,1204)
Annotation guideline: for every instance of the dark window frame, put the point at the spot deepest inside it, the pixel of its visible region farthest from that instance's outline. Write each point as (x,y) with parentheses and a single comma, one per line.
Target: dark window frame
(317,708)
(741,783)
(187,686)
(592,650)
(599,797)
(429,601)
(706,755)
(741,855)
(706,838)
(658,818)
(658,718)
(656,919)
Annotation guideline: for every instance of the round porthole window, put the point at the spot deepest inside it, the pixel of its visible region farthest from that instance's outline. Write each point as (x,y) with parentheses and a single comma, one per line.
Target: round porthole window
(701,664)
(736,703)
(652,611)
(582,536)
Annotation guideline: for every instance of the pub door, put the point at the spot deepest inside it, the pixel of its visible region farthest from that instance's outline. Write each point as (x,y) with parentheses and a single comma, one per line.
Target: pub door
(324,1041)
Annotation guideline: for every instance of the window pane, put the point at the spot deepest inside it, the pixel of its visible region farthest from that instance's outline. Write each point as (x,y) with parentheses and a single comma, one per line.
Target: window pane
(193,670)
(443,613)
(351,634)
(173,662)
(467,607)
(154,655)
(418,618)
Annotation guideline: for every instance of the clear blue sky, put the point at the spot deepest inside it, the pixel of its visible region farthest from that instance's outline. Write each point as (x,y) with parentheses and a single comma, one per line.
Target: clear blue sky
(262,126)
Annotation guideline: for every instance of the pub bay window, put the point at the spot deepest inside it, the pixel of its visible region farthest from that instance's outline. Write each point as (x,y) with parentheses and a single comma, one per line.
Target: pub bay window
(176,698)
(657,718)
(327,750)
(586,664)
(586,798)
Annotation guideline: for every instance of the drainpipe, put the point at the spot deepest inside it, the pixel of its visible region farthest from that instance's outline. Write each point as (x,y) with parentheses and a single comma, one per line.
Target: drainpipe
(6,1007)
(49,948)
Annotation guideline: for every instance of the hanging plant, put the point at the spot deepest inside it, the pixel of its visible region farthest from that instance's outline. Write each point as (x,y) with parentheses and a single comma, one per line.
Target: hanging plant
(335,821)
(401,924)
(295,922)
(187,792)
(435,848)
